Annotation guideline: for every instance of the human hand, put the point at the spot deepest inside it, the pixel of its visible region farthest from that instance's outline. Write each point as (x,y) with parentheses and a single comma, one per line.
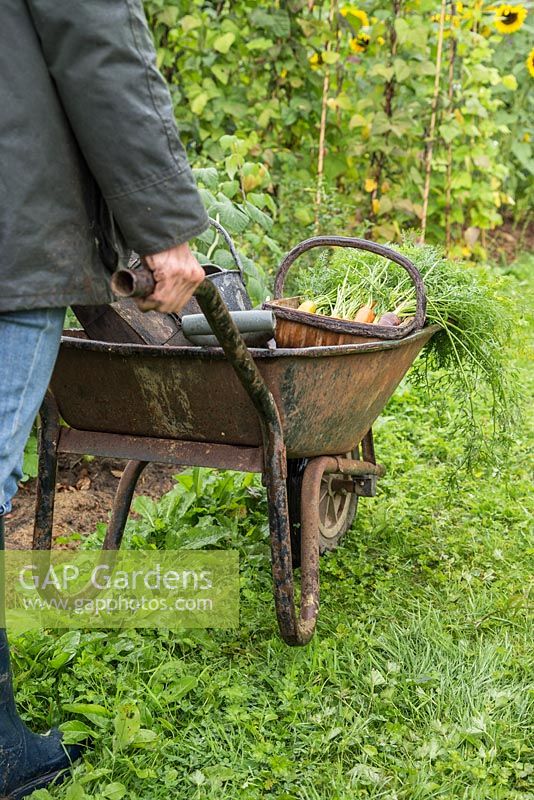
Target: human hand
(177,274)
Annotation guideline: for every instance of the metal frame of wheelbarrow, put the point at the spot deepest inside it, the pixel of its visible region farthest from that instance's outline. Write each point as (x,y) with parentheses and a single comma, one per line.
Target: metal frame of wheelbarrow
(296,626)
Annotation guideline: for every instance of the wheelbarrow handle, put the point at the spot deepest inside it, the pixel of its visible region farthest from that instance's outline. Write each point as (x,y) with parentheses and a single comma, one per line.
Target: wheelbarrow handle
(372,247)
(140,283)
(138,280)
(295,628)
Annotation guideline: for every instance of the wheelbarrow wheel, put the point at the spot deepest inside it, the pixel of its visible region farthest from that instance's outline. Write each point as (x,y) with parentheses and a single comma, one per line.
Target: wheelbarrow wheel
(337,510)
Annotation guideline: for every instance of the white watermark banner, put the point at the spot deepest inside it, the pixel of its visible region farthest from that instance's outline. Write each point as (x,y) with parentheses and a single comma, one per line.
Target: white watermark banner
(125,589)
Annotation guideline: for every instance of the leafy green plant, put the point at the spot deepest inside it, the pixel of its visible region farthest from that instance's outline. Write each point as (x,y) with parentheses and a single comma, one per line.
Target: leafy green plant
(246,210)
(337,99)
(31,457)
(204,509)
(515,117)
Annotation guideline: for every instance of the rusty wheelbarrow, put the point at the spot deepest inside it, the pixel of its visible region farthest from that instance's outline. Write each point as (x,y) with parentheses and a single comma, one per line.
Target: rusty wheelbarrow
(301,417)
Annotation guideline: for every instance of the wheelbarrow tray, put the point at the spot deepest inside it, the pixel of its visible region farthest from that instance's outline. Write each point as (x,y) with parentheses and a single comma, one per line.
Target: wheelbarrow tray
(327,397)
(236,408)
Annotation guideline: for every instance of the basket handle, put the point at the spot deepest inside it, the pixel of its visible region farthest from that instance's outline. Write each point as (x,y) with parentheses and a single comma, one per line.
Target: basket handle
(229,241)
(359,244)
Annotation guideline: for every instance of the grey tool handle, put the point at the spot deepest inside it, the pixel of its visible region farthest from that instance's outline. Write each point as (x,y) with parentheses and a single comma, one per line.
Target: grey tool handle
(256,327)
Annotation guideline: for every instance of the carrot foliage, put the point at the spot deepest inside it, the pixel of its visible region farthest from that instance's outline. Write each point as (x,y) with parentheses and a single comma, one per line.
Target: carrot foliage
(465,367)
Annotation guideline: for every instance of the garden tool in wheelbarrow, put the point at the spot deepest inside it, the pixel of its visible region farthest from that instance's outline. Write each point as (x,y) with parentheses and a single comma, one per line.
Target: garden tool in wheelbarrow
(123,322)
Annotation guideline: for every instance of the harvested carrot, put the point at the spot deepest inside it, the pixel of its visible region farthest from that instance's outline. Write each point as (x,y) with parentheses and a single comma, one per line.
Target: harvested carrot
(309,306)
(365,313)
(389,319)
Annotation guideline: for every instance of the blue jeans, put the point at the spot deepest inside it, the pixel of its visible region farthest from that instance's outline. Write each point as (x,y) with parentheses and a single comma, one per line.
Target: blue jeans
(29,343)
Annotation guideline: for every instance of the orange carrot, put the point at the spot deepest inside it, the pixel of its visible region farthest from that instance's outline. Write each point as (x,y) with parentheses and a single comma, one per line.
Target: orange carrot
(365,313)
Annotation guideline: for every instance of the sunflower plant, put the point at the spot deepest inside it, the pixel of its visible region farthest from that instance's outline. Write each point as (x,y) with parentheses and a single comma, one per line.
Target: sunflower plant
(515,63)
(509,19)
(334,97)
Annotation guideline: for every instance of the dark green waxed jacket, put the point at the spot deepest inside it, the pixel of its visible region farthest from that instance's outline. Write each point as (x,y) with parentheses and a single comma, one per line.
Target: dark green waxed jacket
(90,160)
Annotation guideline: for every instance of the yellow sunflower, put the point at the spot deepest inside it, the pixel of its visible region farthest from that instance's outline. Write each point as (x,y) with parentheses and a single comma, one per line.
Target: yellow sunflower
(508,19)
(530,62)
(360,43)
(450,19)
(357,13)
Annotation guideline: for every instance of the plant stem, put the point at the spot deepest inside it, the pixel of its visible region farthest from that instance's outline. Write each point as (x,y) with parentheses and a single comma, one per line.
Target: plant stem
(320,160)
(433,115)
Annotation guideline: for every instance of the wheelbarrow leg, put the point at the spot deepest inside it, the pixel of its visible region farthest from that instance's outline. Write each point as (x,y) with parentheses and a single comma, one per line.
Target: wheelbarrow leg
(368,447)
(46,484)
(110,547)
(122,503)
(47,476)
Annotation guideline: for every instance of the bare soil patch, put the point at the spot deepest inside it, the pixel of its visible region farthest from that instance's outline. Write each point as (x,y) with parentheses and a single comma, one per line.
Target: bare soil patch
(84,497)
(509,241)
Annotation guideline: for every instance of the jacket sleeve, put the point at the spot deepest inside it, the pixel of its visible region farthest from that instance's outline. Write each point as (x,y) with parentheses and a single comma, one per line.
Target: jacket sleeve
(101,57)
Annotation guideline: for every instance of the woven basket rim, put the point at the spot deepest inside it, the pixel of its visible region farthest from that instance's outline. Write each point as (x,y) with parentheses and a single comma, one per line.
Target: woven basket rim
(333,323)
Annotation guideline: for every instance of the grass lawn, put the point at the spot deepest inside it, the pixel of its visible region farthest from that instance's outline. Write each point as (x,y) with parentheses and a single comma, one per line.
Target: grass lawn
(418,683)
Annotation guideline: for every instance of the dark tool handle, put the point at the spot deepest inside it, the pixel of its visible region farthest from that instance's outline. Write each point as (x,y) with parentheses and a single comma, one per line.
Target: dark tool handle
(296,628)
(137,282)
(372,247)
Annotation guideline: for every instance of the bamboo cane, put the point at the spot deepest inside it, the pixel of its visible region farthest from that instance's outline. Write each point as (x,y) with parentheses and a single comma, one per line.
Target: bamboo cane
(448,189)
(322,128)
(320,160)
(433,116)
